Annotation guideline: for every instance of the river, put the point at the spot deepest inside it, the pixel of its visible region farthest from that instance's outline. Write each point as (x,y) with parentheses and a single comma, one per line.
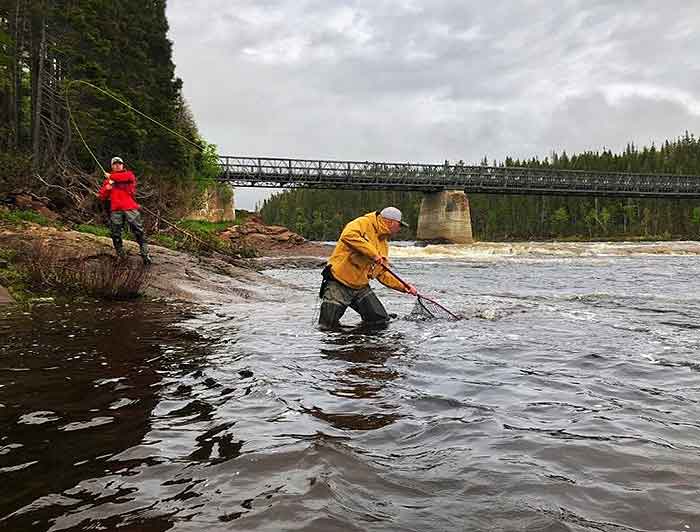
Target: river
(568,399)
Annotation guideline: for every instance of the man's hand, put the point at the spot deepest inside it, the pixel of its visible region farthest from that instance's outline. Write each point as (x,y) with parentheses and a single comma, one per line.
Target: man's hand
(107,175)
(410,289)
(381,261)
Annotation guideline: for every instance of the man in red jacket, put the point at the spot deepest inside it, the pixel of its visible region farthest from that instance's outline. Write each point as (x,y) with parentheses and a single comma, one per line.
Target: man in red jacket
(119,188)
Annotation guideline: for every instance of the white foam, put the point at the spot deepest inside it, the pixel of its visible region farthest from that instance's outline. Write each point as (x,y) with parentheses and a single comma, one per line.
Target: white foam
(496,250)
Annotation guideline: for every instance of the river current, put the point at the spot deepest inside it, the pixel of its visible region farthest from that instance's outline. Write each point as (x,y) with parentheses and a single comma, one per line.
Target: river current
(568,399)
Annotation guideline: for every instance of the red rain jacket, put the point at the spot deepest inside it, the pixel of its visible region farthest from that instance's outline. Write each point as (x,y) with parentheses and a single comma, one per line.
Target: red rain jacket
(123,191)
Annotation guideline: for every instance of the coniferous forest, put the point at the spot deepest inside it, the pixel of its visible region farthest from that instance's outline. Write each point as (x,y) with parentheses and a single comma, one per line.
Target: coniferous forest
(321,214)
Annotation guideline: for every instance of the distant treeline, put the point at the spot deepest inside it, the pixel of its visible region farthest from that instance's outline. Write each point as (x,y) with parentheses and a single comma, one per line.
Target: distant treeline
(321,214)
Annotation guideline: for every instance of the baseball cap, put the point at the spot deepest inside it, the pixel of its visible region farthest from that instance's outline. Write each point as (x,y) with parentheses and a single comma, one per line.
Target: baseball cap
(116,160)
(392,213)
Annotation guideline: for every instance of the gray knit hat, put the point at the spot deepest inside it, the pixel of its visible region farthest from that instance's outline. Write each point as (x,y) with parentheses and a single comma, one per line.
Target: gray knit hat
(392,213)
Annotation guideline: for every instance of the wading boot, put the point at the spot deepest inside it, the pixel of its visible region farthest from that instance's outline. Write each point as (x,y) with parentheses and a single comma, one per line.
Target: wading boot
(143,247)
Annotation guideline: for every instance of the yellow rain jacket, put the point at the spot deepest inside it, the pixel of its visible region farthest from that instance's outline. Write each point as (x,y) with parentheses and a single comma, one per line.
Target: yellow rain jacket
(352,261)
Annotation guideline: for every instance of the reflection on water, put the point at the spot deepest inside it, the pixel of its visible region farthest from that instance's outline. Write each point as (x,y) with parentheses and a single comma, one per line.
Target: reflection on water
(79,384)
(364,379)
(568,401)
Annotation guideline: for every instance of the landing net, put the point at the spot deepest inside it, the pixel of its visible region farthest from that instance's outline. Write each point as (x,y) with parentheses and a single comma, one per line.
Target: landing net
(427,309)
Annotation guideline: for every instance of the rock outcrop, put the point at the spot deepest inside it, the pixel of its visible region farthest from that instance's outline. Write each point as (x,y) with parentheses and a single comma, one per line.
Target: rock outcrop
(261,237)
(277,246)
(174,275)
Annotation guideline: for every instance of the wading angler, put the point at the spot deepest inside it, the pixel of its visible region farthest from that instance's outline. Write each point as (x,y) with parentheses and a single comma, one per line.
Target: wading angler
(119,191)
(361,255)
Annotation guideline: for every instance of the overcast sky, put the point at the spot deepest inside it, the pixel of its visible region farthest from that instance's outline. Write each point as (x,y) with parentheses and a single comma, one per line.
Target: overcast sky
(425,81)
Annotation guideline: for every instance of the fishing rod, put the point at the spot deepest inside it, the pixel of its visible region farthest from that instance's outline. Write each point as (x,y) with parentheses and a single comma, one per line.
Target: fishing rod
(104,171)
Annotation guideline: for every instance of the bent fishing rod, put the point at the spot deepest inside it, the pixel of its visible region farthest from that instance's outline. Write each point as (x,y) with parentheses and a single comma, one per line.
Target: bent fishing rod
(104,171)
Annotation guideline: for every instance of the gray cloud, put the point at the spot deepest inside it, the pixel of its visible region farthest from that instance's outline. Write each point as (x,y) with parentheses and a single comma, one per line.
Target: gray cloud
(427,81)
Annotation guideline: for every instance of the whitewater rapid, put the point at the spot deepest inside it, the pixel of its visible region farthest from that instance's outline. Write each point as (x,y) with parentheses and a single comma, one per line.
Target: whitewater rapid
(509,250)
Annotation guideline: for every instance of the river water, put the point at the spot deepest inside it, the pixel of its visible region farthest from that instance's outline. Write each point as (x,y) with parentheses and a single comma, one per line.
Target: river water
(567,400)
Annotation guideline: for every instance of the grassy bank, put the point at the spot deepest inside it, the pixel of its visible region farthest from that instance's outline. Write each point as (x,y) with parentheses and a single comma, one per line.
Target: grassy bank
(17,217)
(204,238)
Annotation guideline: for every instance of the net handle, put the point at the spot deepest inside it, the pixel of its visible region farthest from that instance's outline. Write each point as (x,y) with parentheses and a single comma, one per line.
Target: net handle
(421,296)
(404,283)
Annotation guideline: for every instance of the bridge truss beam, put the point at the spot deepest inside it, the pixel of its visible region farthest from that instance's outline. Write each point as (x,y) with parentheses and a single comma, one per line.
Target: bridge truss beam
(349,175)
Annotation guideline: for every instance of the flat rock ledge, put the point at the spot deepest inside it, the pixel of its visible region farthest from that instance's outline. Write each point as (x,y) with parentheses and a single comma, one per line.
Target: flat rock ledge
(174,275)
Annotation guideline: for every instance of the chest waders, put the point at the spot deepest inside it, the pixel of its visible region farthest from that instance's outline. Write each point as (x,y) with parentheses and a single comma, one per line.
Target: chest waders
(336,298)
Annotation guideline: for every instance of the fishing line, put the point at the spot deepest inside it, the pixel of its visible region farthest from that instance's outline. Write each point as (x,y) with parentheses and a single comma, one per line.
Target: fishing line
(104,171)
(125,104)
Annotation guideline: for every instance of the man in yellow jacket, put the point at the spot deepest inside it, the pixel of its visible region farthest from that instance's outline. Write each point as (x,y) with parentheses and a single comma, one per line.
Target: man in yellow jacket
(360,256)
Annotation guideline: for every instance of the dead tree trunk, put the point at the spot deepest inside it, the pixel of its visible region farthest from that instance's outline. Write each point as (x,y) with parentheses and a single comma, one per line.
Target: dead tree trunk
(16,99)
(39,51)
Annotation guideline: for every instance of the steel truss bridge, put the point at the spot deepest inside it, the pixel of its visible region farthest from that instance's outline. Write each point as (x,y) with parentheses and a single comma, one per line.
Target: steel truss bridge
(349,175)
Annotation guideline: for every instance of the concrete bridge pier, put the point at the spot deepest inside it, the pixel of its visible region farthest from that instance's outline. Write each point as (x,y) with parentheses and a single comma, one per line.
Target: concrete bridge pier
(445,217)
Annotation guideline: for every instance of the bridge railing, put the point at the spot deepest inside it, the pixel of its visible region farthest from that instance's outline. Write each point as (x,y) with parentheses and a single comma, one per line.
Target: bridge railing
(290,173)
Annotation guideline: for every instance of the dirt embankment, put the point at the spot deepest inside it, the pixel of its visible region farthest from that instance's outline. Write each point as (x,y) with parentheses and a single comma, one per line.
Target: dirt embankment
(174,275)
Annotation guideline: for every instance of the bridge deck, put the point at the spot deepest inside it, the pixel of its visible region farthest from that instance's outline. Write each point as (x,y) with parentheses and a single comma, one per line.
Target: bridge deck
(291,173)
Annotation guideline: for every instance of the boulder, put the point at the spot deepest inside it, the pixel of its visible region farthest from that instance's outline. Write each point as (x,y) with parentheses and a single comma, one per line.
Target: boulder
(255,234)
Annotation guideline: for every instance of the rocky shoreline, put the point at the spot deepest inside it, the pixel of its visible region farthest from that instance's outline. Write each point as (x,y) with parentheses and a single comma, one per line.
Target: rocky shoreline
(174,275)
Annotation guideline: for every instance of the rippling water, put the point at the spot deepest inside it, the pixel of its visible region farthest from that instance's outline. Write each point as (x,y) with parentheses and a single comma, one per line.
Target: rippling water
(568,400)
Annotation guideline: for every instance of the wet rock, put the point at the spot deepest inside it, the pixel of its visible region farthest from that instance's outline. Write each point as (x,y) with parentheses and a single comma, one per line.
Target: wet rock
(183,389)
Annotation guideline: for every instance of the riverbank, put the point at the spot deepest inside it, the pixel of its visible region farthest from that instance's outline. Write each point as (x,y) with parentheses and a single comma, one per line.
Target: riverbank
(173,276)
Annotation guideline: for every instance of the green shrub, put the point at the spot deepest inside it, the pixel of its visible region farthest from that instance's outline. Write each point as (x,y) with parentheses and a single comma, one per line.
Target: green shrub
(204,242)
(15,169)
(98,230)
(202,226)
(19,216)
(166,241)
